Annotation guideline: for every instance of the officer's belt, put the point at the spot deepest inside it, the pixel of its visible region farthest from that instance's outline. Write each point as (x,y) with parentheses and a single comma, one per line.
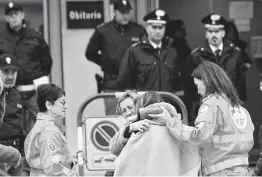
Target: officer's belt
(110,76)
(25,88)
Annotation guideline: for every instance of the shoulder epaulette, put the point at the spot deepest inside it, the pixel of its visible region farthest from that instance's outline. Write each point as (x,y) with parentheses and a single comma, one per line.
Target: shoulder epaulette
(234,46)
(100,25)
(137,43)
(196,50)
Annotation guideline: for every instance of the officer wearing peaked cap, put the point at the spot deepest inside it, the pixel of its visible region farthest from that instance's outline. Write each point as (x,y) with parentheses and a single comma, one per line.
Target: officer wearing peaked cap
(8,62)
(108,45)
(11,133)
(218,50)
(150,64)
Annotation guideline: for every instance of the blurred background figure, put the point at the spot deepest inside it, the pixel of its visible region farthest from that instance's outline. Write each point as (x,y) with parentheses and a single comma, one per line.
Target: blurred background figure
(108,45)
(232,34)
(175,29)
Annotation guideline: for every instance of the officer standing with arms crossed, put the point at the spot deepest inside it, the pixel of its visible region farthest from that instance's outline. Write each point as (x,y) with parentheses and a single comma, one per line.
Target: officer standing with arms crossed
(108,45)
(32,52)
(217,50)
(150,63)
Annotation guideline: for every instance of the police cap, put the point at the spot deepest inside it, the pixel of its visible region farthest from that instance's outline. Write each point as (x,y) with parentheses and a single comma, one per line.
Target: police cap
(214,21)
(8,62)
(12,6)
(122,5)
(156,16)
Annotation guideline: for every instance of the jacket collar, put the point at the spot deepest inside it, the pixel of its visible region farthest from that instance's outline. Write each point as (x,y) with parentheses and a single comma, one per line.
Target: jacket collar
(15,32)
(43,116)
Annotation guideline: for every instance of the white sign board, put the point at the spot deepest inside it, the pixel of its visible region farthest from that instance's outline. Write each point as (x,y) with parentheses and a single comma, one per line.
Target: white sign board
(241,9)
(256,46)
(98,133)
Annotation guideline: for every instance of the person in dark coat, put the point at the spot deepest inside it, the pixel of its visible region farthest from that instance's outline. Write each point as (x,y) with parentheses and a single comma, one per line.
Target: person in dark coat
(150,63)
(218,50)
(11,133)
(108,45)
(33,53)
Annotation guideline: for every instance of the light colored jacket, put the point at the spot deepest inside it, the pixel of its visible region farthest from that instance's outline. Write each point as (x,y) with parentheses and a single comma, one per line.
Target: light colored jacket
(155,152)
(46,149)
(224,134)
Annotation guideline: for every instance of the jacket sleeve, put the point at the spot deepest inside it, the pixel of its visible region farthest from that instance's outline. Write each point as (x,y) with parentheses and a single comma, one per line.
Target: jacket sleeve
(118,142)
(205,126)
(45,57)
(51,156)
(258,168)
(93,48)
(9,155)
(127,72)
(2,107)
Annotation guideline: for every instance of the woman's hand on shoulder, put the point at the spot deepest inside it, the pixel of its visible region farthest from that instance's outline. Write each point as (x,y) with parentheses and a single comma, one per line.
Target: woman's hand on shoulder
(141,126)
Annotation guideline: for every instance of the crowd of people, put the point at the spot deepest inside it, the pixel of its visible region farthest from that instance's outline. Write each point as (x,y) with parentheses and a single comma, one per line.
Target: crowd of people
(209,79)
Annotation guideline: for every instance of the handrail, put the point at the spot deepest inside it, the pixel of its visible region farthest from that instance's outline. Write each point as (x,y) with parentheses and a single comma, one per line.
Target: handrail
(116,95)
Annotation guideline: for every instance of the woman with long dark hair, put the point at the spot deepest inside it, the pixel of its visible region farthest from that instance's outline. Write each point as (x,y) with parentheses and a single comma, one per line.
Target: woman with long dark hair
(223,128)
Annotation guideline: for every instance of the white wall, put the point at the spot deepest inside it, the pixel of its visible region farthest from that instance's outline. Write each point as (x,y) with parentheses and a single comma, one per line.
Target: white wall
(78,76)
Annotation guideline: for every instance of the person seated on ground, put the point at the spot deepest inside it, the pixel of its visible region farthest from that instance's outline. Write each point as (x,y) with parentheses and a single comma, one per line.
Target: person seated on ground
(155,151)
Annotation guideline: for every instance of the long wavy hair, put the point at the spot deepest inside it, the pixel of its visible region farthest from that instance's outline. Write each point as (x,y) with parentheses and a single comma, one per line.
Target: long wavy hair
(216,81)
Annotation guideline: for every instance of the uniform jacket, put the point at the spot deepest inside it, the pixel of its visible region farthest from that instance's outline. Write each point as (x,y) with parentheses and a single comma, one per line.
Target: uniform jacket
(31,50)
(258,168)
(144,69)
(223,133)
(2,107)
(108,45)
(46,149)
(8,154)
(230,61)
(156,153)
(11,127)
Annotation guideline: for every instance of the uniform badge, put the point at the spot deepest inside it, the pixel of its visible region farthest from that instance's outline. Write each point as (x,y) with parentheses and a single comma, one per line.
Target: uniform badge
(135,39)
(239,117)
(51,147)
(159,14)
(124,2)
(203,109)
(10,4)
(8,60)
(19,105)
(215,18)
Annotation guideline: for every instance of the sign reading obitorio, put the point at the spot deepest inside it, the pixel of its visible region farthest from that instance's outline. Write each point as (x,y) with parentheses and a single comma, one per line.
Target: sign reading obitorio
(84,14)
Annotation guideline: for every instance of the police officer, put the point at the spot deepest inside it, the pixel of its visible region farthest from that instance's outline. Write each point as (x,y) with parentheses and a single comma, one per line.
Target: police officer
(30,48)
(10,129)
(109,43)
(150,63)
(223,129)
(215,49)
